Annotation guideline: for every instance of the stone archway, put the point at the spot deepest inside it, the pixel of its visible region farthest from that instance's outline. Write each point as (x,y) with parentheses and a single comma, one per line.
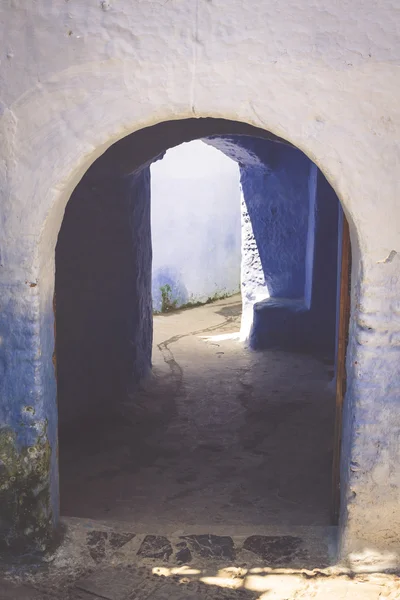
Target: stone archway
(108,206)
(121,174)
(34,206)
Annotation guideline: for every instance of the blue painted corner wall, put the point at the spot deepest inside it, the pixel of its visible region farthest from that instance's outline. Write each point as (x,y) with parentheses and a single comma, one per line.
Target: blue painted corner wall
(276,198)
(289,246)
(307,322)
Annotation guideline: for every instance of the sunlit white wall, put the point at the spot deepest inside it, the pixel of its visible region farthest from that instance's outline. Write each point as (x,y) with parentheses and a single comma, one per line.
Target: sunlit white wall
(195,220)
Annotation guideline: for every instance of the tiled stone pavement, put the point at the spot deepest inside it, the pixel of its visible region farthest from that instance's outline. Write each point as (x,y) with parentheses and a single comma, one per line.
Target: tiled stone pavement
(103,564)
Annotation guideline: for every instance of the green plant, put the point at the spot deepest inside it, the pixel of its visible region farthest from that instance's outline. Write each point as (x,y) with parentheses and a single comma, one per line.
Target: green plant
(167,303)
(215,297)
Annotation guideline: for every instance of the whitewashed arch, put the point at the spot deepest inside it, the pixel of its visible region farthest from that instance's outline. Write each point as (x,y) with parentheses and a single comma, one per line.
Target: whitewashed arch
(324,77)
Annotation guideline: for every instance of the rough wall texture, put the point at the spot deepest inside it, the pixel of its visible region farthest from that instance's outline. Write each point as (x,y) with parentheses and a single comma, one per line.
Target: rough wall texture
(324,75)
(371,433)
(275,207)
(304,320)
(195,224)
(28,421)
(276,198)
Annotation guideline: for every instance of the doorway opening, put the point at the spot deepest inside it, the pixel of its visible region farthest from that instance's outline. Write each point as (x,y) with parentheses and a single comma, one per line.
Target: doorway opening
(223,431)
(195,227)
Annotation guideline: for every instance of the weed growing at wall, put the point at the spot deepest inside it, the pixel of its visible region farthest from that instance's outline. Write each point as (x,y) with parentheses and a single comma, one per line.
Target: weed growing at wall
(25,492)
(167,303)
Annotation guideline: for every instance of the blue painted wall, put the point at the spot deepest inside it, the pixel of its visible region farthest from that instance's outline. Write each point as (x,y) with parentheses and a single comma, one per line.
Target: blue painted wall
(312,194)
(103,292)
(103,285)
(276,197)
(289,246)
(321,325)
(307,323)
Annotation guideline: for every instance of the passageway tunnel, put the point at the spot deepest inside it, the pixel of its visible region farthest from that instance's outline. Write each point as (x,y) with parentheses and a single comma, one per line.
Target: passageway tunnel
(221,432)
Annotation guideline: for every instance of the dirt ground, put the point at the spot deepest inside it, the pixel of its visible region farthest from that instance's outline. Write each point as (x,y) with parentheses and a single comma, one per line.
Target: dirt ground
(221,436)
(212,483)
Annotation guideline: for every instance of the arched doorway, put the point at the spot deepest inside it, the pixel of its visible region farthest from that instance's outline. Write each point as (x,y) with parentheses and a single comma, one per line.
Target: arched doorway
(106,204)
(102,80)
(117,158)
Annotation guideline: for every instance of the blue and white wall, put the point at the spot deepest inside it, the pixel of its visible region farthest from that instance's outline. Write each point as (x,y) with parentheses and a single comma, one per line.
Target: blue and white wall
(71,92)
(195,222)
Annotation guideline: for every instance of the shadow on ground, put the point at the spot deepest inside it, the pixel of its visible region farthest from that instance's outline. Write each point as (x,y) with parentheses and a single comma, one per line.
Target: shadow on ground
(102,563)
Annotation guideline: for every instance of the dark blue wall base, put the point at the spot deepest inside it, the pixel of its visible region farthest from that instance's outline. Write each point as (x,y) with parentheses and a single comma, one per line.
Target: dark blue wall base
(286,324)
(278,323)
(103,294)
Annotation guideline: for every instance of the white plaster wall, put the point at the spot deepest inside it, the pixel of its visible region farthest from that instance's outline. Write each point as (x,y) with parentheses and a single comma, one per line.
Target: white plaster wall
(76,76)
(195,223)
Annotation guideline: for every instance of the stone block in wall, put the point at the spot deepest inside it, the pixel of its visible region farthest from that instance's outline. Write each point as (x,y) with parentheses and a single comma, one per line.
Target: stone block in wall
(278,323)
